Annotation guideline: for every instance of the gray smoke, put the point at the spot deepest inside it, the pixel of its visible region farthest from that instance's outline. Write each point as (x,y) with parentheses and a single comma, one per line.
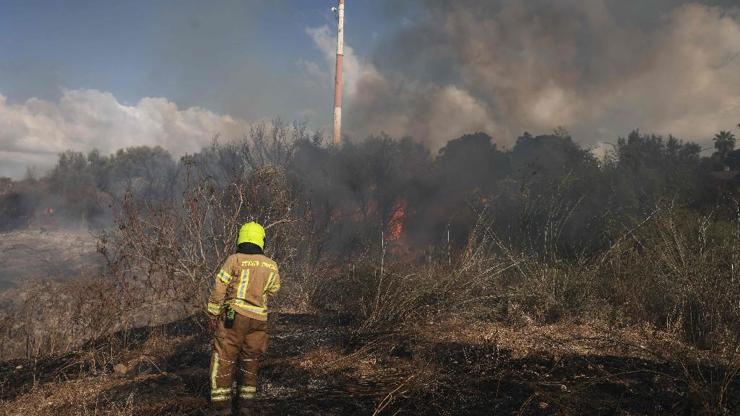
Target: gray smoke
(599,68)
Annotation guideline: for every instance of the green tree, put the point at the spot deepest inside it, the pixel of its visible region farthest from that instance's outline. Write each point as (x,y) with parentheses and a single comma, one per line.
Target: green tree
(724,142)
(72,181)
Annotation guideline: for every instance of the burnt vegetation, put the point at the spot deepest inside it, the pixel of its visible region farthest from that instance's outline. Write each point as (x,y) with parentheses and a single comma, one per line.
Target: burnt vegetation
(538,279)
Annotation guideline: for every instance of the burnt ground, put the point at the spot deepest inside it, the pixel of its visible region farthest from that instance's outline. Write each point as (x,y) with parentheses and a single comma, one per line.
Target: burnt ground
(314,367)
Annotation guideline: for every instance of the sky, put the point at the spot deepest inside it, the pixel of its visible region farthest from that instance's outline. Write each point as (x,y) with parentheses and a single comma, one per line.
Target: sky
(84,74)
(191,52)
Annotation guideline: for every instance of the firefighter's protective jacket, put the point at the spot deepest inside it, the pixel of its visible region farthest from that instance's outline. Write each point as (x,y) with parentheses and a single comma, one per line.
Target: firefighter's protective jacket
(244,282)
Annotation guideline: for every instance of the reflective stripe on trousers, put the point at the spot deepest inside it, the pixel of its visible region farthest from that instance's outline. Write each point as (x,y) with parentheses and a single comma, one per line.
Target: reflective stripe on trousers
(247,392)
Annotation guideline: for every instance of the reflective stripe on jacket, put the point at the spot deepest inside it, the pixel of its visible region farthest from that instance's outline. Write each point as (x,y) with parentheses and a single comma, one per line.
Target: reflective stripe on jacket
(244,282)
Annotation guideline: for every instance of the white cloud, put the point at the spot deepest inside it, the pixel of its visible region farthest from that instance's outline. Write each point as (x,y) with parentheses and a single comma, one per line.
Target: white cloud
(35,131)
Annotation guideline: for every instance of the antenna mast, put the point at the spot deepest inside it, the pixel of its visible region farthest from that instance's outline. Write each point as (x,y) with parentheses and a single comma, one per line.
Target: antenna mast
(338,75)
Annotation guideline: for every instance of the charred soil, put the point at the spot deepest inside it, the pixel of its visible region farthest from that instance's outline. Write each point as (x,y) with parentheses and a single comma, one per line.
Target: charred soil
(315,365)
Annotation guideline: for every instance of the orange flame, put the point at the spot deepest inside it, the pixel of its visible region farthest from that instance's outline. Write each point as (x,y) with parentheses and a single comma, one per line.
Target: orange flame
(397,220)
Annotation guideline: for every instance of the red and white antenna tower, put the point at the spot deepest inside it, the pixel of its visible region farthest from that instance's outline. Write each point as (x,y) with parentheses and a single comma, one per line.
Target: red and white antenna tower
(338,74)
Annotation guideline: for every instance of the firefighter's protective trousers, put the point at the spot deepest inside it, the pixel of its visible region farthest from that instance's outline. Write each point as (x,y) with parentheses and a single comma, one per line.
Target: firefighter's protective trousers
(236,352)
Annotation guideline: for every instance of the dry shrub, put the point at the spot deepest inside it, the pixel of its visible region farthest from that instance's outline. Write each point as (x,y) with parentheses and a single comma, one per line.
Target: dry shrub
(486,277)
(169,253)
(678,272)
(387,295)
(51,318)
(546,294)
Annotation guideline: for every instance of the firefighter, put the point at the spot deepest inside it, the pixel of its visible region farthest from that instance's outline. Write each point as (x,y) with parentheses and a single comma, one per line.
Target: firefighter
(237,307)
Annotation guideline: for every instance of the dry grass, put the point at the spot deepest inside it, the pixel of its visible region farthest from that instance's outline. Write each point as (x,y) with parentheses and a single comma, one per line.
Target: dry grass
(97,396)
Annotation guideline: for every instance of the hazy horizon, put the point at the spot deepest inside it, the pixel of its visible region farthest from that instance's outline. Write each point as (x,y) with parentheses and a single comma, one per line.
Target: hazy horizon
(84,75)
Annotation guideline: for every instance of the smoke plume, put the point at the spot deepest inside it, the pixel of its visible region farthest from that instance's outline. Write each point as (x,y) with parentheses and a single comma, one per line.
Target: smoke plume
(598,68)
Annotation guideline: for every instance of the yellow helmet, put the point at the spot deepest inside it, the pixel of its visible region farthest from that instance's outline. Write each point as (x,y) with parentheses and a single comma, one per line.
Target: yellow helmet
(252,232)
